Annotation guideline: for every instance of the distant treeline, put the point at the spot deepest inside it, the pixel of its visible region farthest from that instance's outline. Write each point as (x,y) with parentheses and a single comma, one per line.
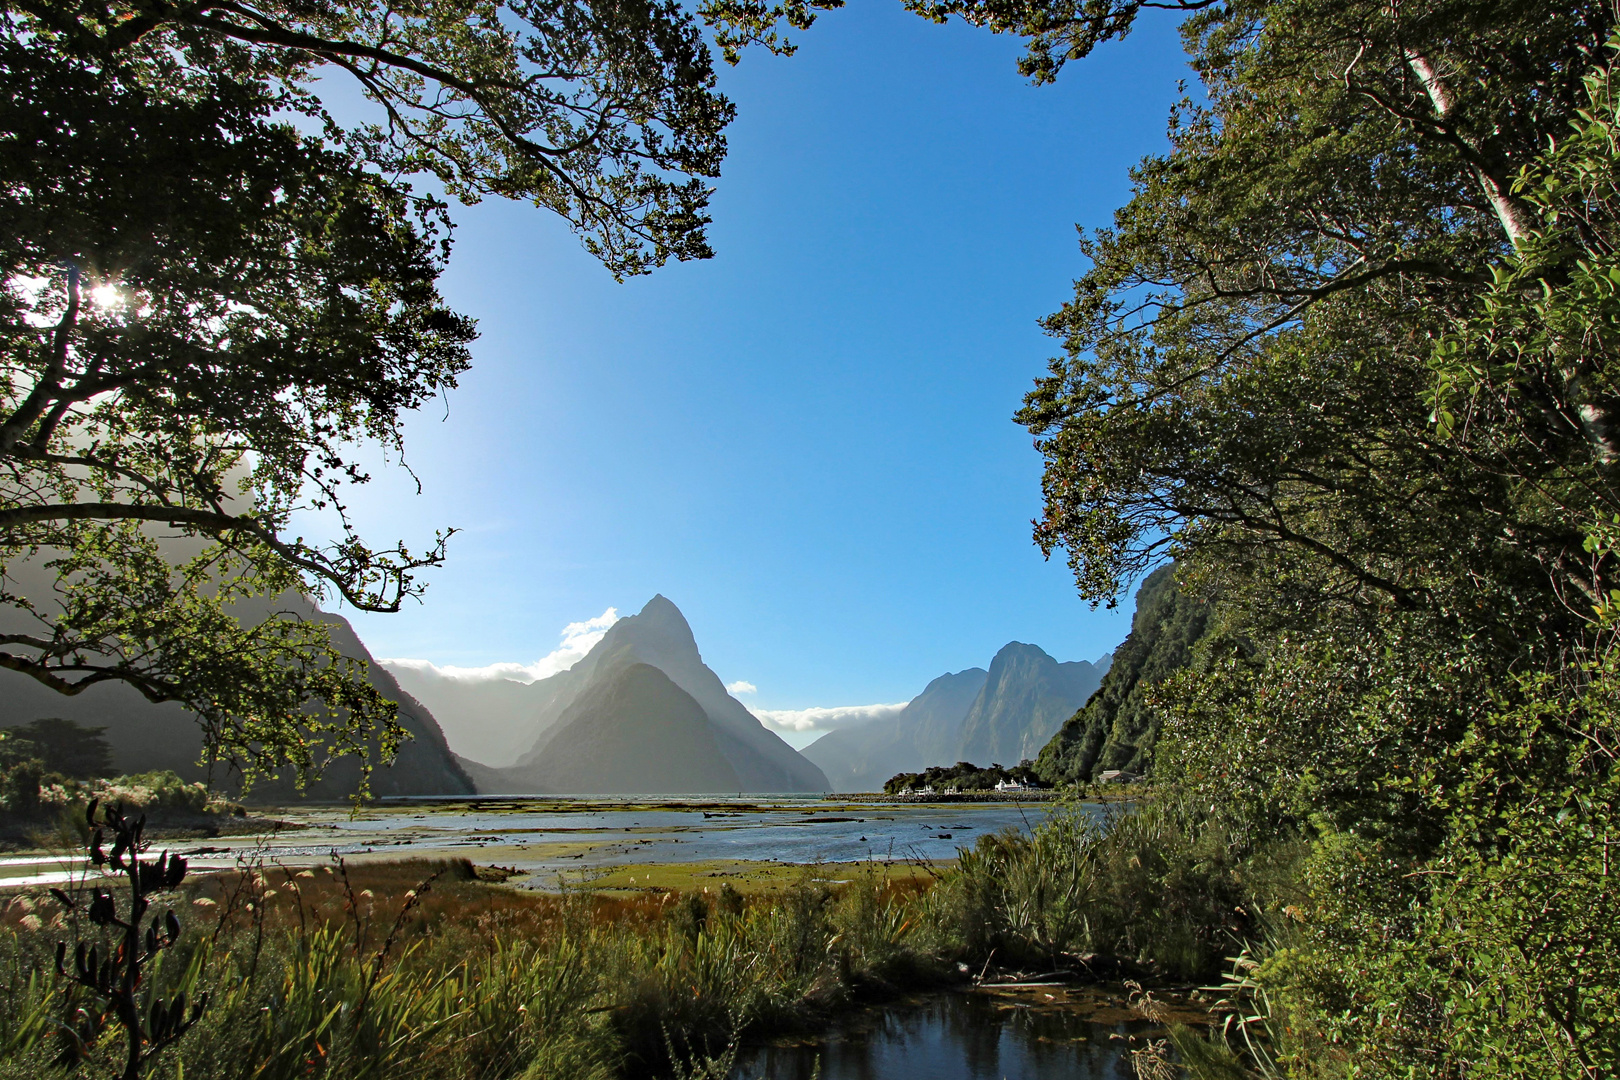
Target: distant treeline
(964,776)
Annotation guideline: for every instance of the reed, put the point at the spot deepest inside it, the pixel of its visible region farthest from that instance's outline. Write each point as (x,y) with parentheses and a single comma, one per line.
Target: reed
(417,969)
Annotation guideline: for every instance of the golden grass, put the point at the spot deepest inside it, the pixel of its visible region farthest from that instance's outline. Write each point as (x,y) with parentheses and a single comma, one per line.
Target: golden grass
(748,877)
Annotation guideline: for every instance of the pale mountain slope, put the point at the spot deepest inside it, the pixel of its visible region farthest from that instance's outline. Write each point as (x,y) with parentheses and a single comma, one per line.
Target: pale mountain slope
(144,736)
(1025,699)
(658,636)
(926,732)
(631,731)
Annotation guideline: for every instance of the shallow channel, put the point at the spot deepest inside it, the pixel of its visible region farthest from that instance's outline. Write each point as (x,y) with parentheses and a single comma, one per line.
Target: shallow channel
(1078,1034)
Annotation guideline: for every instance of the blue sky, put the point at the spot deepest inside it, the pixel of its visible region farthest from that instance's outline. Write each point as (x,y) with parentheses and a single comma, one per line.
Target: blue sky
(804,442)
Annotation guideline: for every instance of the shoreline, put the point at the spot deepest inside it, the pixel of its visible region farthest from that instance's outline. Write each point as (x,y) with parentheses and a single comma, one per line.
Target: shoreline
(1032,795)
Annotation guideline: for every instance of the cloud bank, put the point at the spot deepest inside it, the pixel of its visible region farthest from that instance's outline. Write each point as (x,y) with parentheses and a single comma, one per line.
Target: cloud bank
(741,686)
(577,639)
(827,719)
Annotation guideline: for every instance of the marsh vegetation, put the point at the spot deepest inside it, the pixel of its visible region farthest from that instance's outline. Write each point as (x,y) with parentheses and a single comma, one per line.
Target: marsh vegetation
(423,969)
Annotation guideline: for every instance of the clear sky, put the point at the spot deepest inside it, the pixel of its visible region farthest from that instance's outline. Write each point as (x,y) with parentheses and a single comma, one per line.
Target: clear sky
(806,441)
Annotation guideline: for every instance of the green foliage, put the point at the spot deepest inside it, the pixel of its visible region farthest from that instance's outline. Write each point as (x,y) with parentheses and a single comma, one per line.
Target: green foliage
(19,787)
(1456,905)
(605,116)
(26,1020)
(71,750)
(206,309)
(271,302)
(1551,313)
(1498,947)
(964,775)
(1148,884)
(21,771)
(1118,727)
(1348,356)
(162,789)
(1248,357)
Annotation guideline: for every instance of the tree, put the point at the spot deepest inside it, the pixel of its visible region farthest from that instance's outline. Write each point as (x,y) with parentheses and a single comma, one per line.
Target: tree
(1251,363)
(1348,355)
(74,751)
(206,309)
(1249,366)
(197,323)
(603,113)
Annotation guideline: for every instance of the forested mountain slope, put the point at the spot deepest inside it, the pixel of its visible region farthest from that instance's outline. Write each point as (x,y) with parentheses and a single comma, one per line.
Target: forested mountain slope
(1116,729)
(144,736)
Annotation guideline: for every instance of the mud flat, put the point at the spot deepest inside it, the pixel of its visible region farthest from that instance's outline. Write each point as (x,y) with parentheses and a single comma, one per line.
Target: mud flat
(548,843)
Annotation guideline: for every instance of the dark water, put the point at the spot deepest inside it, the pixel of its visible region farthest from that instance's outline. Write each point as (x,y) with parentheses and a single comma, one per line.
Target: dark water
(1033,1035)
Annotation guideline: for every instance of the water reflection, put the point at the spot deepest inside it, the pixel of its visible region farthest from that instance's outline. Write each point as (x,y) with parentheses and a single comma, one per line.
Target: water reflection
(1078,1035)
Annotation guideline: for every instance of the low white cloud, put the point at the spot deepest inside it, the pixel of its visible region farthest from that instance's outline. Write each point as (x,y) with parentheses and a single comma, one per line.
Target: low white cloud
(741,686)
(827,719)
(578,638)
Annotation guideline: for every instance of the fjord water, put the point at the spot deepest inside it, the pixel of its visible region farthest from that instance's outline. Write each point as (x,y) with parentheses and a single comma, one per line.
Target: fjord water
(530,835)
(965,1036)
(544,837)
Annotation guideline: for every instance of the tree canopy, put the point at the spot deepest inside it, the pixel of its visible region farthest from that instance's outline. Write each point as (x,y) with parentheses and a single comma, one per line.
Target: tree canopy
(217,288)
(604,113)
(1347,357)
(1250,357)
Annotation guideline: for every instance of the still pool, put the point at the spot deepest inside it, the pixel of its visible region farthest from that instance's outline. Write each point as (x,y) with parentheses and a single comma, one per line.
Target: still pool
(1057,1034)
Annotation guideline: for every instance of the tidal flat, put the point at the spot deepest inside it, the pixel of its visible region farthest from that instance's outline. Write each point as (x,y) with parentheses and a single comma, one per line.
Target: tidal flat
(555,842)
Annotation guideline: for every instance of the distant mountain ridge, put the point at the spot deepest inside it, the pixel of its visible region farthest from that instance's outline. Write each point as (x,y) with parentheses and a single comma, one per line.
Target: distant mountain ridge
(1002,715)
(1025,699)
(482,728)
(144,736)
(927,730)
(602,698)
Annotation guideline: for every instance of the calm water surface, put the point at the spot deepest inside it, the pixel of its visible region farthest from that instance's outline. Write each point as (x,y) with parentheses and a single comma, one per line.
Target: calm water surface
(1066,1035)
(544,837)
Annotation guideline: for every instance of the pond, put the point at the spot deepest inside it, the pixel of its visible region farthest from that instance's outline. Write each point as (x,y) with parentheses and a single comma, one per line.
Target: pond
(1083,1033)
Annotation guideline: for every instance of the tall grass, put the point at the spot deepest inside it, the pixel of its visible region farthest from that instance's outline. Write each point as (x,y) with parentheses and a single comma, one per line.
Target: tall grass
(415,970)
(1138,884)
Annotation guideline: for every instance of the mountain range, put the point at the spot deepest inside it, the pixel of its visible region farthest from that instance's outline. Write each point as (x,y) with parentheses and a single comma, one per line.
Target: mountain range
(1004,715)
(640,712)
